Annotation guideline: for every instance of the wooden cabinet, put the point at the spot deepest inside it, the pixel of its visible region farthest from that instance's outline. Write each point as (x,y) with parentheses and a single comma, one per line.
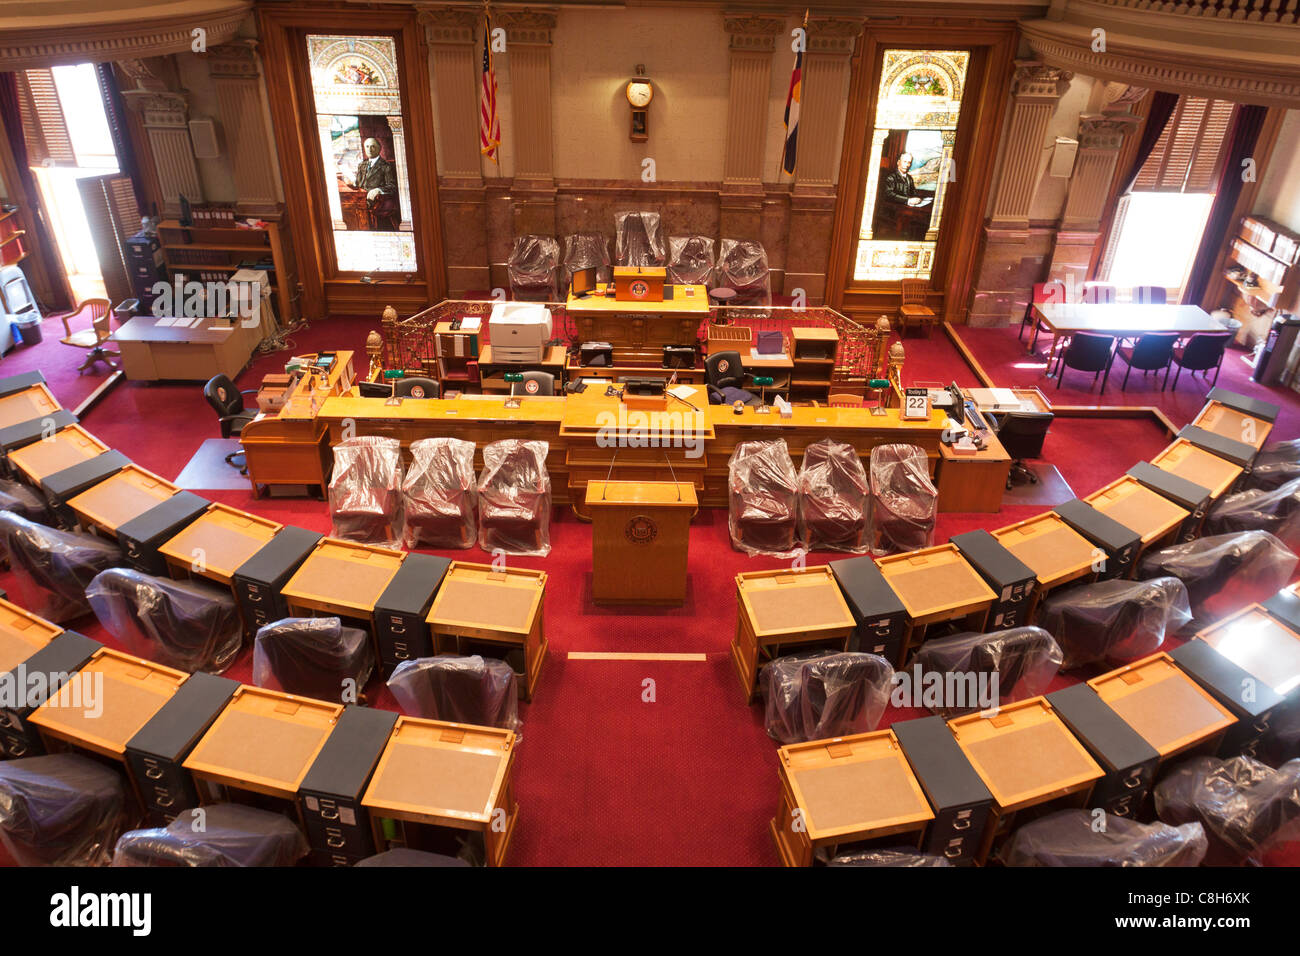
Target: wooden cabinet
(222,251)
(813,355)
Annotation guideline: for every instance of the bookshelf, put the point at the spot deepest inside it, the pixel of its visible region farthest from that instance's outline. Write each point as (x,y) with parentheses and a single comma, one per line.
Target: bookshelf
(211,250)
(1270,253)
(813,356)
(13,241)
(457,351)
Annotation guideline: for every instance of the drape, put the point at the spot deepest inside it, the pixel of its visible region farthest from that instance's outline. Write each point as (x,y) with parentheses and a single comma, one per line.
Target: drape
(1162,108)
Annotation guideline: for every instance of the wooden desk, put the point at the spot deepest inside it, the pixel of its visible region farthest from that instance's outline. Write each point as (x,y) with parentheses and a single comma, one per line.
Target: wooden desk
(341,577)
(1260,645)
(639,540)
(156,348)
(1030,400)
(1026,756)
(1208,470)
(1055,552)
(102,717)
(264,741)
(480,609)
(1141,510)
(1166,707)
(846,790)
(637,330)
(32,402)
(1219,419)
(973,482)
(67,447)
(22,634)
(936,585)
(786,609)
(492,374)
(113,502)
(448,776)
(216,543)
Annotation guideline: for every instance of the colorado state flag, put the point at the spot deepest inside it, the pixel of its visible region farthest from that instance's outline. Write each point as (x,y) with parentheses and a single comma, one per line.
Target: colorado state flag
(792,105)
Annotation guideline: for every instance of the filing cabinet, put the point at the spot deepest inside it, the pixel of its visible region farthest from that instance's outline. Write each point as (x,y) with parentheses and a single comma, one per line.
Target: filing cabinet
(56,661)
(155,754)
(962,804)
(338,827)
(1226,682)
(258,580)
(1011,578)
(1128,761)
(1186,494)
(1121,544)
(141,537)
(401,631)
(64,485)
(880,615)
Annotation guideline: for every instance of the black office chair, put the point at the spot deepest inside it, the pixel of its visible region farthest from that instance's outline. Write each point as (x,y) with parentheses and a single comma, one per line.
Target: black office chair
(1022,435)
(415,388)
(1203,351)
(1087,352)
(465,690)
(1152,352)
(534,383)
(228,402)
(60,810)
(725,374)
(230,835)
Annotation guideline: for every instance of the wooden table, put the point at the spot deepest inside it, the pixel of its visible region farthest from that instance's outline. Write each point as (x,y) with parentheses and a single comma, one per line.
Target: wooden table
(1026,756)
(342,578)
(786,609)
(193,349)
(1055,552)
(1123,320)
(264,741)
(1141,510)
(1206,469)
(1219,419)
(1259,644)
(973,482)
(113,502)
(22,634)
(639,330)
(936,585)
(1167,708)
(67,447)
(481,609)
(447,776)
(216,543)
(846,790)
(36,401)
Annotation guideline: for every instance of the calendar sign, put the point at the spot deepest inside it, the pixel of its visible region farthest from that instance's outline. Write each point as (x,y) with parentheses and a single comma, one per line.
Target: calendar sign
(916,403)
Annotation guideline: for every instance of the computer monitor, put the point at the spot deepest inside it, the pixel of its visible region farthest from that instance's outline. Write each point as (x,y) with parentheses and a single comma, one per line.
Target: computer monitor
(583,282)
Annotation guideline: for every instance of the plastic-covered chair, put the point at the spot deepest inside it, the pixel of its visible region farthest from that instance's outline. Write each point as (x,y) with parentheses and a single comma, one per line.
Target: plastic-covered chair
(51,568)
(223,834)
(906,502)
(24,501)
(365,491)
(637,239)
(60,810)
(834,499)
(1275,510)
(1115,621)
(1275,465)
(313,657)
(465,690)
(188,625)
(690,260)
(1072,838)
(1224,572)
(819,695)
(1249,810)
(742,266)
(763,499)
(514,498)
(534,269)
(405,856)
(441,494)
(586,250)
(894,856)
(1025,660)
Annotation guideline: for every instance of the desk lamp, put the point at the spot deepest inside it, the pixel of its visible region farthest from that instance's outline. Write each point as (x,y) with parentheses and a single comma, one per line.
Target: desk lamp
(878,384)
(392,375)
(763,382)
(512,401)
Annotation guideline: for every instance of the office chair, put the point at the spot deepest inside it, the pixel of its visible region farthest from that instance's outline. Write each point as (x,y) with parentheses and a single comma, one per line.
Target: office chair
(690,260)
(1025,660)
(913,307)
(904,500)
(1276,465)
(1073,838)
(52,568)
(60,810)
(465,690)
(820,694)
(1022,435)
(1275,510)
(514,498)
(313,657)
(1044,293)
(534,383)
(228,402)
(834,499)
(586,250)
(92,339)
(1114,621)
(1149,295)
(405,856)
(742,267)
(440,494)
(724,374)
(1087,352)
(534,269)
(1224,572)
(415,388)
(763,498)
(230,835)
(365,491)
(1203,351)
(1099,293)
(637,239)
(1152,352)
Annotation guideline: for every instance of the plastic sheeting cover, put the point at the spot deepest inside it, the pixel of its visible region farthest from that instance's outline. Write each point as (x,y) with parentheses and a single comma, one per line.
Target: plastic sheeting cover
(60,810)
(466,690)
(906,501)
(25,501)
(313,657)
(1224,572)
(534,268)
(1071,838)
(1025,659)
(514,498)
(52,568)
(365,491)
(742,265)
(405,856)
(894,856)
(441,494)
(586,250)
(1276,465)
(834,499)
(1115,621)
(224,834)
(690,260)
(763,499)
(1275,510)
(638,240)
(818,695)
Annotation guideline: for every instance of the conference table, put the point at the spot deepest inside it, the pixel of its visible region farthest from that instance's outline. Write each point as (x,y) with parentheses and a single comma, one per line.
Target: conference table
(1123,320)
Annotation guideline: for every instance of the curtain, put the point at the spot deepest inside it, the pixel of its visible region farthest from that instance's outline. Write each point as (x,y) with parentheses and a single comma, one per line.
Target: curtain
(1240,146)
(1162,108)
(48,256)
(115,112)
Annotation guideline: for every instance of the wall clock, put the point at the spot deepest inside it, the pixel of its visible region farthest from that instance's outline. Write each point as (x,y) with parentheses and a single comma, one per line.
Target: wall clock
(640,91)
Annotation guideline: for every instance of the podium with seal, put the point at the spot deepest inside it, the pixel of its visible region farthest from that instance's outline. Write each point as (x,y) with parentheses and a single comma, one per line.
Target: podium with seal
(639,540)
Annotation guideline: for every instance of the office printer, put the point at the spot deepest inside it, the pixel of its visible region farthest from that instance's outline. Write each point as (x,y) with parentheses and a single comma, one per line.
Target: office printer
(519,331)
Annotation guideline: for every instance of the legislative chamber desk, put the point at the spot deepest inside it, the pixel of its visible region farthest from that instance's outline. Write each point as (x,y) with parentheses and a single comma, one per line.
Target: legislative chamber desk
(576,428)
(637,330)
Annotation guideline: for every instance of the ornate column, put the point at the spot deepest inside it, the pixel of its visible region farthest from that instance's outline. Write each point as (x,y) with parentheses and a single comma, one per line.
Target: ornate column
(164,116)
(528,42)
(1012,258)
(454,50)
(821,123)
(245,125)
(753,40)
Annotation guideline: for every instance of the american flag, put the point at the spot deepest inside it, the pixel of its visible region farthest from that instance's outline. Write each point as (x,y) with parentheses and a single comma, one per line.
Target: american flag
(489,124)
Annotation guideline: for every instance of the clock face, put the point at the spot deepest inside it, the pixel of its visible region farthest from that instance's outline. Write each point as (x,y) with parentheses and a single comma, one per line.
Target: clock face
(639,93)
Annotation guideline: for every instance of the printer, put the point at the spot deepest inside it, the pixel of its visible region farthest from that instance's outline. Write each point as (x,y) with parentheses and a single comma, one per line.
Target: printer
(519,331)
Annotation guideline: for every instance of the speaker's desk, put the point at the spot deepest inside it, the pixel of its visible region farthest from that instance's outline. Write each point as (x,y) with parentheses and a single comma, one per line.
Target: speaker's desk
(638,330)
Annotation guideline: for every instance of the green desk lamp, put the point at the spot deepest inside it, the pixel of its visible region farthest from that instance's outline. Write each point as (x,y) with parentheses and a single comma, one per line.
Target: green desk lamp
(512,378)
(763,382)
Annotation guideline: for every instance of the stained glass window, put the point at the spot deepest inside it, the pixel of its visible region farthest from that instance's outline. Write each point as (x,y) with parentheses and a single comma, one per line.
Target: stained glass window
(910,166)
(363,145)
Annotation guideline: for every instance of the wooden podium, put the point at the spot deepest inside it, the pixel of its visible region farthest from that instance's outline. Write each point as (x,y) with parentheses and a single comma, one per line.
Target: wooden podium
(639,539)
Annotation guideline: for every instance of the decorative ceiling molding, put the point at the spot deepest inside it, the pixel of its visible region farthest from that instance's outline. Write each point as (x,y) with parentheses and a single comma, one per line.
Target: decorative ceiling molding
(448,24)
(833,34)
(237,60)
(754,32)
(1035,79)
(1105,130)
(529,26)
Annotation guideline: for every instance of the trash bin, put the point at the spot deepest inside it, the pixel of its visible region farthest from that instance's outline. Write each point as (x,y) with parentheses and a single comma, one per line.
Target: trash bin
(27,331)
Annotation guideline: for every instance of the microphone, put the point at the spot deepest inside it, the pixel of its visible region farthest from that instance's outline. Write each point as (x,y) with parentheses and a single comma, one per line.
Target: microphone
(605,491)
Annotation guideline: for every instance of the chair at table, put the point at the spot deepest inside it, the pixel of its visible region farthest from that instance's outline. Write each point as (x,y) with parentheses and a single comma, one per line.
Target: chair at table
(904,500)
(534,269)
(846,401)
(724,373)
(92,339)
(638,240)
(313,657)
(834,499)
(586,250)
(1202,352)
(365,491)
(219,835)
(763,499)
(1099,293)
(690,260)
(514,496)
(415,387)
(533,383)
(913,307)
(228,402)
(818,695)
(1149,295)
(60,810)
(1051,292)
(1152,352)
(1087,352)
(464,690)
(1022,435)
(742,267)
(441,494)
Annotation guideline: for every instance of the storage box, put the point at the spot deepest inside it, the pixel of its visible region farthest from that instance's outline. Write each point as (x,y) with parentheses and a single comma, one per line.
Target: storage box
(141,537)
(259,580)
(880,615)
(1128,761)
(1010,578)
(401,631)
(1249,701)
(1122,545)
(1186,494)
(961,802)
